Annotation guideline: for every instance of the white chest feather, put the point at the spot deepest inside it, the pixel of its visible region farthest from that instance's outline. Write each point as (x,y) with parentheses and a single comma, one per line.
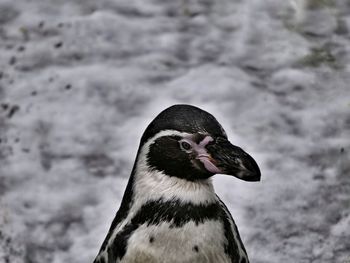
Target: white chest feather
(165,244)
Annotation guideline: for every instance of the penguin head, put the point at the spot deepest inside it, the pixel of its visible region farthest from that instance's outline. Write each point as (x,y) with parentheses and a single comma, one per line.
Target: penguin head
(189,143)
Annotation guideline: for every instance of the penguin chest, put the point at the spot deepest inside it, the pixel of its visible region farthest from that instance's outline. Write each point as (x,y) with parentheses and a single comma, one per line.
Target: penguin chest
(166,243)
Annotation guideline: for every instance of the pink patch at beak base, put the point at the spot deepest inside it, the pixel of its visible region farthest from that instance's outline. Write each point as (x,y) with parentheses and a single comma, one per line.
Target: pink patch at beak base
(204,157)
(206,160)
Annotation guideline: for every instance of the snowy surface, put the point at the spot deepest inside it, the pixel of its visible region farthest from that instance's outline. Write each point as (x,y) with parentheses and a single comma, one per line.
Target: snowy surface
(80,80)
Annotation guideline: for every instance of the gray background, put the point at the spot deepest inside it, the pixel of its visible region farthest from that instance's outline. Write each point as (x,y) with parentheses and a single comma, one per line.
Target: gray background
(80,80)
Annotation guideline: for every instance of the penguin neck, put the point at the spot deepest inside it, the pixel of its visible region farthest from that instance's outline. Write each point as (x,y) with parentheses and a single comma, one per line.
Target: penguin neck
(150,184)
(147,185)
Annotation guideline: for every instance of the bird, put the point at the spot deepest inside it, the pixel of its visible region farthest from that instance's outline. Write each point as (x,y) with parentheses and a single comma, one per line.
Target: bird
(170,212)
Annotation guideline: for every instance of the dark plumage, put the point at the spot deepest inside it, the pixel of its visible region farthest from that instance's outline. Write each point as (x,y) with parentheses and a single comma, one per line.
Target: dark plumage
(170,212)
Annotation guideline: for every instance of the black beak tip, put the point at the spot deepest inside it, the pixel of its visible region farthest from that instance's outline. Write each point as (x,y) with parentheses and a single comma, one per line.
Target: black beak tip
(253,176)
(251,171)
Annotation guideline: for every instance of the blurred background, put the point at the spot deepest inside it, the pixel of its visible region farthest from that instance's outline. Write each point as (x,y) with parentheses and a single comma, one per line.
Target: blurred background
(81,79)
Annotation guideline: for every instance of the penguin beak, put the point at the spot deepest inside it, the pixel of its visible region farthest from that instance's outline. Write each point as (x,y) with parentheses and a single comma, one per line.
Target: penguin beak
(232,160)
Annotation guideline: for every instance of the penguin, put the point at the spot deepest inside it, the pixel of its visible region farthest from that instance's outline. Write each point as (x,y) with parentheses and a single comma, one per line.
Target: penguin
(170,212)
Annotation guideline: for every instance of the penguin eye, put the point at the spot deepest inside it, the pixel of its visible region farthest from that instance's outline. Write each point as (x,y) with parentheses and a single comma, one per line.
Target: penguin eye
(185,145)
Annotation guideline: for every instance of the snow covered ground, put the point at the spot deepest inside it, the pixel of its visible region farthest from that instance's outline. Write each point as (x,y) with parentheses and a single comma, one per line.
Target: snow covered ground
(81,79)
